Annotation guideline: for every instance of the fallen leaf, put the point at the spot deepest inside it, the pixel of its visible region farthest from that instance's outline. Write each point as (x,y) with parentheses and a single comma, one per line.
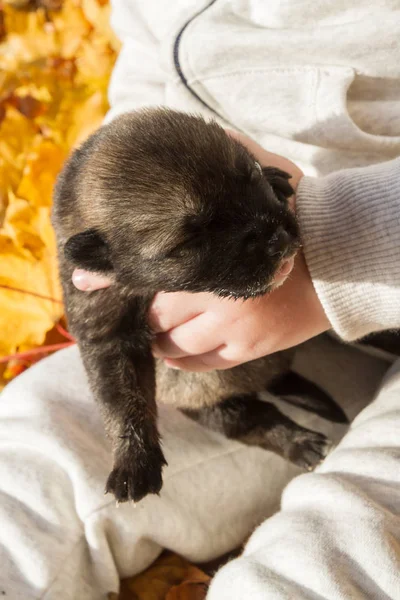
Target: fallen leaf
(189,590)
(71,27)
(88,117)
(40,171)
(94,61)
(98,14)
(194,587)
(154,583)
(39,315)
(17,134)
(171,577)
(28,37)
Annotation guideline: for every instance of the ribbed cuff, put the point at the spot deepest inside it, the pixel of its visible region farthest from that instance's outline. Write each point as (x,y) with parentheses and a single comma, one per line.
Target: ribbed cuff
(350,226)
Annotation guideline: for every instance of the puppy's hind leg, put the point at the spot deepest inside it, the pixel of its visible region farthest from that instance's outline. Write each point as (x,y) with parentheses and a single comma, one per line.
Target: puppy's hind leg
(256,423)
(299,391)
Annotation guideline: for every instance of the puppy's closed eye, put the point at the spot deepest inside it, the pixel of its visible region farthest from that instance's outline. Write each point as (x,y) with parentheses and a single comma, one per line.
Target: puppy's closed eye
(193,232)
(184,248)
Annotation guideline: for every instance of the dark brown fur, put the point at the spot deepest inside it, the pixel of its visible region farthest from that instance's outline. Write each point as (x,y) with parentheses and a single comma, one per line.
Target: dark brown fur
(163,201)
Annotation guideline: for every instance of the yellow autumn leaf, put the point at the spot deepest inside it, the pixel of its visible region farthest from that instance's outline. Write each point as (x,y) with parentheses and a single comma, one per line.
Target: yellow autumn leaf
(39,93)
(40,171)
(39,315)
(17,135)
(19,228)
(98,14)
(28,37)
(71,27)
(28,273)
(94,61)
(27,263)
(87,118)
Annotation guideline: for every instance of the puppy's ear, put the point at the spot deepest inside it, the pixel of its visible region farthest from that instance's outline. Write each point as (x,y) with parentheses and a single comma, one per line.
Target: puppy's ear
(279,181)
(89,251)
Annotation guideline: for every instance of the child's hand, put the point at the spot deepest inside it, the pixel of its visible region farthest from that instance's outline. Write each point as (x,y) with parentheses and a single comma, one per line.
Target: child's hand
(200,332)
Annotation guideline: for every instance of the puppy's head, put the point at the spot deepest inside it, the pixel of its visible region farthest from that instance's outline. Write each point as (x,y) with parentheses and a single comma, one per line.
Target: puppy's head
(169,202)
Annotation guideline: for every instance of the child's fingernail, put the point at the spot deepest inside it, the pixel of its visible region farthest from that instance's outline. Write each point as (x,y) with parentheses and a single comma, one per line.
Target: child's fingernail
(80,280)
(172,366)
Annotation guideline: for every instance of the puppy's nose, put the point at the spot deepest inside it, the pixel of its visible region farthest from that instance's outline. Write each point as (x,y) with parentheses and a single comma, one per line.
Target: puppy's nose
(279,242)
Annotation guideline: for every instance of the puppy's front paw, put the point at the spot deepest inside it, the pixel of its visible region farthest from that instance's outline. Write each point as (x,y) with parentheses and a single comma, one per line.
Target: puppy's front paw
(279,181)
(136,473)
(309,448)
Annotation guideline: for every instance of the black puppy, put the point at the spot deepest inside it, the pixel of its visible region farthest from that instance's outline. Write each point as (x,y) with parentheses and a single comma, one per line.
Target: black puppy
(165,202)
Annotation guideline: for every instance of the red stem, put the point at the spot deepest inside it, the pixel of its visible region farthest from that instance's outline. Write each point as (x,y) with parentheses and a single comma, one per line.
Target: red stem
(65,333)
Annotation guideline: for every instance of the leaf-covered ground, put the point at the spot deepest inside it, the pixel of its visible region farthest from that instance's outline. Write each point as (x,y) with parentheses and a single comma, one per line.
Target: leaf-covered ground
(54,71)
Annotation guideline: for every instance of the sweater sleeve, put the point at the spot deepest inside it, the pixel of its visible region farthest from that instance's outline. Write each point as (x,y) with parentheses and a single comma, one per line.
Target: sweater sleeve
(337,535)
(350,224)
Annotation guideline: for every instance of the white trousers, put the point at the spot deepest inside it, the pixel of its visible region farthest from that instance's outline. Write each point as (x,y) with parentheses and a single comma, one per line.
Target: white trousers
(61,538)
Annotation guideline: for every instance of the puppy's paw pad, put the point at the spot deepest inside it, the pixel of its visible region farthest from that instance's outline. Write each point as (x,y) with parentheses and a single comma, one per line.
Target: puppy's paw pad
(309,449)
(134,477)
